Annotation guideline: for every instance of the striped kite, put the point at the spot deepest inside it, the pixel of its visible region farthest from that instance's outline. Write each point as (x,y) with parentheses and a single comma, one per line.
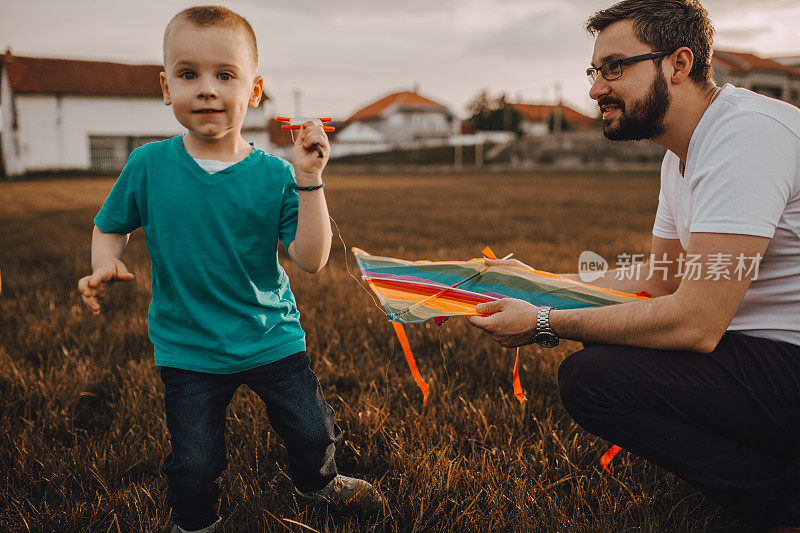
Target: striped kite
(416,291)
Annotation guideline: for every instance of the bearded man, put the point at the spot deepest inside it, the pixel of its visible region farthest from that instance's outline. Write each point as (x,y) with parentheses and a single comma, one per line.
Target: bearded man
(704,378)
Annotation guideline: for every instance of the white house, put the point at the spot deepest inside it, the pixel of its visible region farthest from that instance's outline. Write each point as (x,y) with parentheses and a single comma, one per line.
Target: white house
(63,114)
(765,76)
(400,120)
(789,61)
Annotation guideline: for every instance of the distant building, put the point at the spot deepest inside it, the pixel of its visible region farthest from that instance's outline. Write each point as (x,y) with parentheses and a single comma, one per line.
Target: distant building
(64,114)
(770,77)
(538,119)
(400,120)
(789,61)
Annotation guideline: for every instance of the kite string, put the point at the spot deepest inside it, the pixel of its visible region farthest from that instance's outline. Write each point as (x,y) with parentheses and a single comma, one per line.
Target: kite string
(441,351)
(347,268)
(429,299)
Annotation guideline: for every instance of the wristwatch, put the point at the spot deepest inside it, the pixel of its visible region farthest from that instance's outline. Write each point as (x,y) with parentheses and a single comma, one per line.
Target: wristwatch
(543,335)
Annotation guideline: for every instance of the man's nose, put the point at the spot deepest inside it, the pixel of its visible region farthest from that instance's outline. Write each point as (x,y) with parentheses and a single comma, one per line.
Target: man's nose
(599,87)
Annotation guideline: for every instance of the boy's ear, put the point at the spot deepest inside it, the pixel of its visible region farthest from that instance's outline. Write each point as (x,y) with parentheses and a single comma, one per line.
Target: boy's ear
(258,90)
(164,88)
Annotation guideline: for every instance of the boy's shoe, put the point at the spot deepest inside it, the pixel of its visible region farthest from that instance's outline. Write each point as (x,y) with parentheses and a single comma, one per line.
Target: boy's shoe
(208,529)
(343,490)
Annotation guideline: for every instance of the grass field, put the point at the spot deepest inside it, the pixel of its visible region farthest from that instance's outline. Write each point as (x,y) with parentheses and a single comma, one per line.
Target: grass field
(82,432)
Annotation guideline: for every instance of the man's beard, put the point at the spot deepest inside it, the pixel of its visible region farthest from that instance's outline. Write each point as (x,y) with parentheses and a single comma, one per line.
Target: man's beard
(645,118)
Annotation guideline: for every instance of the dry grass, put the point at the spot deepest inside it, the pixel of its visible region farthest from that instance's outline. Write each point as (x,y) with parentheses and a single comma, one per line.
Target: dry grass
(82,432)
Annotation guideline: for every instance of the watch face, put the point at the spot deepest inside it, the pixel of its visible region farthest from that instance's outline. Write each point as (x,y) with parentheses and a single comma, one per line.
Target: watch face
(547,340)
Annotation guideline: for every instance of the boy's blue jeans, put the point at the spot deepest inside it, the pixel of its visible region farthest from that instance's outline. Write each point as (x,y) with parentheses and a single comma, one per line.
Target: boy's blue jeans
(195,405)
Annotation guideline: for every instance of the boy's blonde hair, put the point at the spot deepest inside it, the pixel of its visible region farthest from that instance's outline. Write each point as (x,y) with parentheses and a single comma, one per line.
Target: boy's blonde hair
(221,17)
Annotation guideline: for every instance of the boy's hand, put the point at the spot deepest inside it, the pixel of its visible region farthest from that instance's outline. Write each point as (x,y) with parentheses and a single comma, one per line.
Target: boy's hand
(94,287)
(310,143)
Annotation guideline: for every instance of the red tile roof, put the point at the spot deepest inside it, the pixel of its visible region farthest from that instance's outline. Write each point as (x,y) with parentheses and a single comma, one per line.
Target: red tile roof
(68,76)
(742,62)
(542,113)
(405,98)
(42,75)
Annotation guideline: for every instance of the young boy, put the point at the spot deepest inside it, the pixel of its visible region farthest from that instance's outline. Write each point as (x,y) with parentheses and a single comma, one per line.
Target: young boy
(213,208)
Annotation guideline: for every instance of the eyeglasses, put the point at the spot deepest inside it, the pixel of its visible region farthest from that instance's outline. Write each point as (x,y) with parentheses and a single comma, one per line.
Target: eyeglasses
(612,70)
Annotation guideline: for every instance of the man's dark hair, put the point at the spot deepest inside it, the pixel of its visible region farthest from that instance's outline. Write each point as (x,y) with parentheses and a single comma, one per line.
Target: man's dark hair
(666,25)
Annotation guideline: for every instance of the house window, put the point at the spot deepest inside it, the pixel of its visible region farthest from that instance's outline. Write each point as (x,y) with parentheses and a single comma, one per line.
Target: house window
(109,153)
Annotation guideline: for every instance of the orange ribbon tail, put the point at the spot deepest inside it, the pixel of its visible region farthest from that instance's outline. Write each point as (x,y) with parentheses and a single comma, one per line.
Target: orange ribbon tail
(606,459)
(517,384)
(401,336)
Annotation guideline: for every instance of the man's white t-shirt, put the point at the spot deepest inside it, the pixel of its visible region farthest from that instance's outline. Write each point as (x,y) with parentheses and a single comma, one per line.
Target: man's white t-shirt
(743,176)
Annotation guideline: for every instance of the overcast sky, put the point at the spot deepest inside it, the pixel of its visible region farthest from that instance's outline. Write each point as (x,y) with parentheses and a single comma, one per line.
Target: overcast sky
(344,54)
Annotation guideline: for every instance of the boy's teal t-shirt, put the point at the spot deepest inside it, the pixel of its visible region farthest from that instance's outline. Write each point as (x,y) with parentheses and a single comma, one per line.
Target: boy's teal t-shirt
(221,303)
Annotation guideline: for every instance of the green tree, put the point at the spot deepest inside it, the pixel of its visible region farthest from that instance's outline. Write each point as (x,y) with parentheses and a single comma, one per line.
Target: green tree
(493,114)
(566,125)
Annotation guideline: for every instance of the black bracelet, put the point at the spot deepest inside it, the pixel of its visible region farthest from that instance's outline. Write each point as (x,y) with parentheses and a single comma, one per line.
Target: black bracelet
(311,188)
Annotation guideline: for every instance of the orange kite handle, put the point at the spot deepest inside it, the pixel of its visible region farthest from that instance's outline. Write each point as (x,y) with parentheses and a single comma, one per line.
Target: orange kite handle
(517,383)
(401,336)
(288,119)
(290,127)
(606,459)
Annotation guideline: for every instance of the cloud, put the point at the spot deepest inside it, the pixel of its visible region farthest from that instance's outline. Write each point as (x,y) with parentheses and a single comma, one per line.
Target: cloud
(547,36)
(313,9)
(742,34)
(345,53)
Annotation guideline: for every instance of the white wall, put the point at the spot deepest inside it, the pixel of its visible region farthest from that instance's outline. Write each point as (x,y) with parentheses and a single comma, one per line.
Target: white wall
(6,141)
(534,129)
(358,138)
(54,130)
(481,137)
(358,132)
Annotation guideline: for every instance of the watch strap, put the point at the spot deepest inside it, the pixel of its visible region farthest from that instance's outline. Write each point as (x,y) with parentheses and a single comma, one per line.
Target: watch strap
(543,318)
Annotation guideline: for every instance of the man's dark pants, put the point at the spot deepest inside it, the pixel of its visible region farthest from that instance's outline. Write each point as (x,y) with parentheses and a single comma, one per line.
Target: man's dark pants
(195,404)
(727,422)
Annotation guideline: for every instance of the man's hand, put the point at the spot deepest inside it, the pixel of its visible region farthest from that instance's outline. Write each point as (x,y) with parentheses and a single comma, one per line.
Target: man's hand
(94,287)
(510,322)
(310,143)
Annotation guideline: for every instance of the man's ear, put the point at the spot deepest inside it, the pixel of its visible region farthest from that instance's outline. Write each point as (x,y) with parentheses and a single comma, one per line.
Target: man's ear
(680,62)
(165,88)
(258,90)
